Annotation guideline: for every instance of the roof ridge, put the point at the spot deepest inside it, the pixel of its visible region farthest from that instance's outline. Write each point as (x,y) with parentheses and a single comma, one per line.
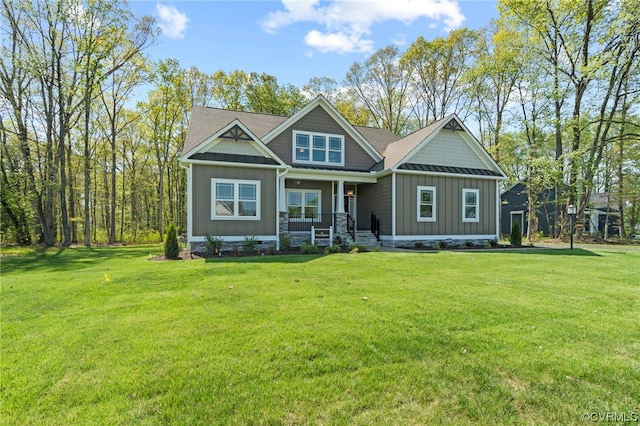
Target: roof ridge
(243,112)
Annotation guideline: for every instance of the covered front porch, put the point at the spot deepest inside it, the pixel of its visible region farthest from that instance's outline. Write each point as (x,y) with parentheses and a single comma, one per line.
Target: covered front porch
(315,204)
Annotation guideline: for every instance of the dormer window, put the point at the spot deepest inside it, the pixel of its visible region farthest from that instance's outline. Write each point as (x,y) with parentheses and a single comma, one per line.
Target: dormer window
(318,148)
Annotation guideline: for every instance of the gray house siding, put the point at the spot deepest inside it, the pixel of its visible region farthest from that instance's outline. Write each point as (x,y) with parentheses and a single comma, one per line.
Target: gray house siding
(448,206)
(201,208)
(376,198)
(319,121)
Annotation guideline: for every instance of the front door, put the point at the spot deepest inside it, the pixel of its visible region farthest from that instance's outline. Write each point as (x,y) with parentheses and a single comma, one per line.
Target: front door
(350,205)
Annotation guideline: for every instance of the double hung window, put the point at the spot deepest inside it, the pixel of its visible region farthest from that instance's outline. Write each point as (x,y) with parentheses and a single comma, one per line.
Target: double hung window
(318,148)
(304,205)
(470,205)
(235,199)
(426,204)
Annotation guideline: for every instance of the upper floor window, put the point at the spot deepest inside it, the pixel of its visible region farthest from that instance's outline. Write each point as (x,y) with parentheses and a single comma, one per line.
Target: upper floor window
(235,199)
(470,205)
(426,204)
(318,148)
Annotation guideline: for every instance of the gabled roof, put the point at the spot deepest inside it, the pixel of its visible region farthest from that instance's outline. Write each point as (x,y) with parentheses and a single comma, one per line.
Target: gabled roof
(205,122)
(378,138)
(321,101)
(398,153)
(400,149)
(235,130)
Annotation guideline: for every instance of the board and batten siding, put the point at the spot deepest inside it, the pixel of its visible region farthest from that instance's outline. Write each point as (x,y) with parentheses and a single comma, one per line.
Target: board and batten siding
(448,206)
(317,120)
(202,223)
(376,198)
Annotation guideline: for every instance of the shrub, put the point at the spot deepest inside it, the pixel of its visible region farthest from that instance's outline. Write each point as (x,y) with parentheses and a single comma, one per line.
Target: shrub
(171,246)
(468,244)
(333,248)
(357,248)
(418,244)
(308,248)
(337,241)
(234,250)
(493,243)
(271,251)
(516,234)
(213,245)
(443,244)
(249,244)
(285,242)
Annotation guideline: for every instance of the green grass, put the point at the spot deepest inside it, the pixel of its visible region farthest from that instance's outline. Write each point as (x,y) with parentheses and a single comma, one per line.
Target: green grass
(529,337)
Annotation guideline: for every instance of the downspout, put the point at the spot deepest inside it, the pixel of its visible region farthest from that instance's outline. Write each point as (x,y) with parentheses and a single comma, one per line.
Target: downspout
(278,177)
(393,209)
(498,211)
(189,170)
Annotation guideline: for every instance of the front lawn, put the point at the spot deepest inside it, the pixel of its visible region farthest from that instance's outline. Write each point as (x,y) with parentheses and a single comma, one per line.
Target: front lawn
(105,336)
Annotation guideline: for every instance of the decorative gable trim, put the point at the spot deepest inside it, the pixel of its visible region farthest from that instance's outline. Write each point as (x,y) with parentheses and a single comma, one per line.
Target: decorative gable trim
(235,131)
(335,115)
(453,125)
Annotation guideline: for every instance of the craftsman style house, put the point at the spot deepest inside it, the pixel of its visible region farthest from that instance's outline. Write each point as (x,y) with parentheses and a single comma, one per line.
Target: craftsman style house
(313,176)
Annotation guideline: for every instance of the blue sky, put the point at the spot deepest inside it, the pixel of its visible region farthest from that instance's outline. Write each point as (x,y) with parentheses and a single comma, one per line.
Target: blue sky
(295,40)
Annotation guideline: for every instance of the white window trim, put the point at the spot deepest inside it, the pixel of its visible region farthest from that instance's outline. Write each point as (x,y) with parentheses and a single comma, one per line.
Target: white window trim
(327,150)
(464,205)
(303,191)
(236,193)
(419,198)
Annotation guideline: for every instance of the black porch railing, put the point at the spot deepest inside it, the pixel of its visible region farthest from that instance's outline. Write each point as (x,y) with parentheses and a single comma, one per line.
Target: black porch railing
(375,226)
(305,222)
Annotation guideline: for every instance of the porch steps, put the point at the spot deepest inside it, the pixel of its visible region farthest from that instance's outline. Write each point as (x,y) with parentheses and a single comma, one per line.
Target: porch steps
(366,238)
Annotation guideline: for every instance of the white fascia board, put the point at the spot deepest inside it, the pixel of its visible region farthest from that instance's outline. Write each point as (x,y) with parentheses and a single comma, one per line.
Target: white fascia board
(330,175)
(230,164)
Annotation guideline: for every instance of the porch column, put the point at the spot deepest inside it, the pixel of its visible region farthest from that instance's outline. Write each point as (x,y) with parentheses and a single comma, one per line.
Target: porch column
(340,198)
(282,202)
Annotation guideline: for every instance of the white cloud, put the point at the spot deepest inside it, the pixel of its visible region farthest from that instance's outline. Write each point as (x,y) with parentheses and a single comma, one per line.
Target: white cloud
(338,42)
(172,22)
(347,23)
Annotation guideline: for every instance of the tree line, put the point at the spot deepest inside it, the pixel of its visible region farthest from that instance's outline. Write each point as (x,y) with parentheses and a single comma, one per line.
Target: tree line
(553,86)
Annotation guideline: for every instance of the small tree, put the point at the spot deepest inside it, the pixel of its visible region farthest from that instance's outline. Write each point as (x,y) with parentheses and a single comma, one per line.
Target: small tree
(516,234)
(171,246)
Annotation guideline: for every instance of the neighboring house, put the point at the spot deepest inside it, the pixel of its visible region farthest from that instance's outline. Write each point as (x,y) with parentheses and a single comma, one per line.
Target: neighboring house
(265,176)
(601,213)
(514,207)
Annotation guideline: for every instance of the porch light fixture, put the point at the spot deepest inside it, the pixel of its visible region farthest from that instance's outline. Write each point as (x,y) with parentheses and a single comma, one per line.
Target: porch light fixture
(350,193)
(571,211)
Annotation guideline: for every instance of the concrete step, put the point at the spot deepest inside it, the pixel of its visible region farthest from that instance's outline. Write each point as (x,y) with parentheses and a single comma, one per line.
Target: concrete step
(366,238)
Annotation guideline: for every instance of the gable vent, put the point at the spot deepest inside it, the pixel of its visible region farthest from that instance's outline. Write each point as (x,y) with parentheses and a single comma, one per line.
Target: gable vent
(453,125)
(236,133)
